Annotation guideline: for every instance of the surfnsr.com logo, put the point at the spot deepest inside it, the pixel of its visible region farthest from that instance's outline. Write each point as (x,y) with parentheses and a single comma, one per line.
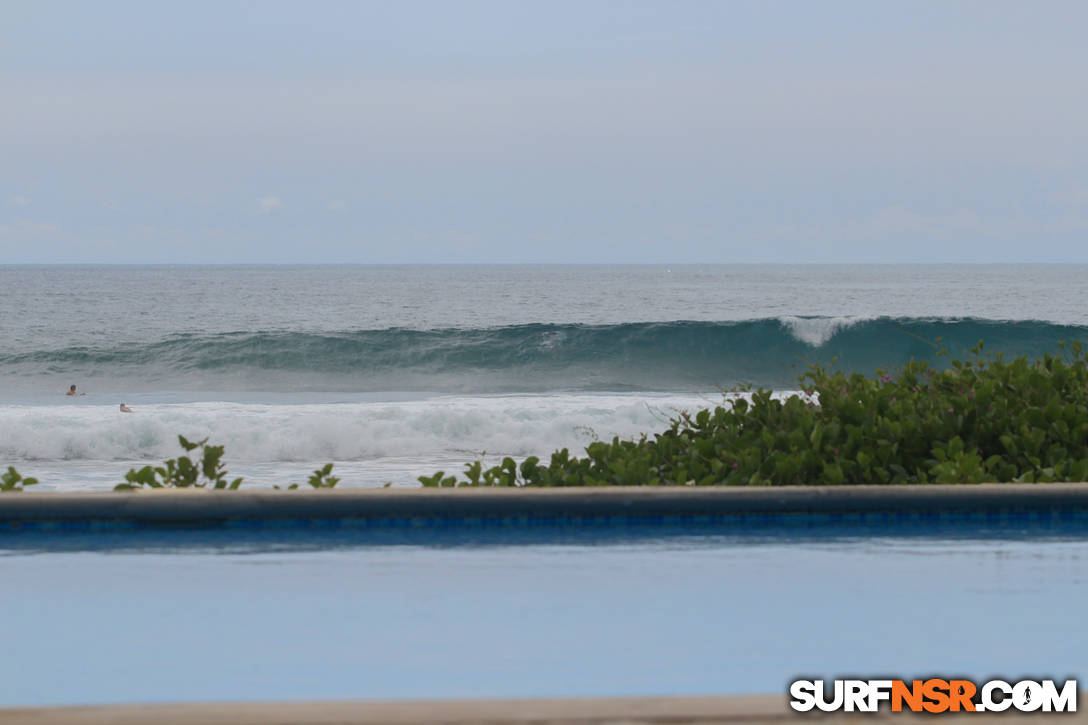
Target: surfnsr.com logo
(933,695)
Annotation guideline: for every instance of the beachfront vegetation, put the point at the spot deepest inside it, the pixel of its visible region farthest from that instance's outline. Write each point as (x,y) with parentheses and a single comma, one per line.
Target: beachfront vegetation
(207,471)
(183,472)
(13,481)
(982,419)
(321,478)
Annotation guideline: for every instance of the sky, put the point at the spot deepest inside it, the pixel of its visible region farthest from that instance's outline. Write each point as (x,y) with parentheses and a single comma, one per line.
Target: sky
(543,132)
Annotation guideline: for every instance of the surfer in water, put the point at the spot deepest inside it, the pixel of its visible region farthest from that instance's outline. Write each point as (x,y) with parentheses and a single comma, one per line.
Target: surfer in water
(125,408)
(72,391)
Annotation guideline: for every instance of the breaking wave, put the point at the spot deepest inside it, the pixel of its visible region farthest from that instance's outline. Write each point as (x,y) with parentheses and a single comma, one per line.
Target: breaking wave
(459,427)
(674,356)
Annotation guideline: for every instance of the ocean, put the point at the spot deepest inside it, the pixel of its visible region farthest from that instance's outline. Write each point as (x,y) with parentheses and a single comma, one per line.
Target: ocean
(391,372)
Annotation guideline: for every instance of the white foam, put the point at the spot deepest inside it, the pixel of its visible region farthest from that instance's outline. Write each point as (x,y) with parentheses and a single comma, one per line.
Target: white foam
(816,331)
(508,425)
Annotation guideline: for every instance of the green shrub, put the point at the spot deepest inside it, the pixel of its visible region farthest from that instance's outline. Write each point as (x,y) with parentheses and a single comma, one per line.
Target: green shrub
(321,478)
(983,419)
(12,480)
(183,472)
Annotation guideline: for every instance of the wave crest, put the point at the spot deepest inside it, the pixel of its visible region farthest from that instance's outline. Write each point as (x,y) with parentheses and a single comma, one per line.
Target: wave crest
(677,355)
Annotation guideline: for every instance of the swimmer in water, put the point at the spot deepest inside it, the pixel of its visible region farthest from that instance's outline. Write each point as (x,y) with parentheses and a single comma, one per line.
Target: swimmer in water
(125,408)
(72,391)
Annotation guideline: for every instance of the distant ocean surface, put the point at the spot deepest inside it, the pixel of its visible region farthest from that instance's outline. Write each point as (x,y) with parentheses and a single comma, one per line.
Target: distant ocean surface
(395,371)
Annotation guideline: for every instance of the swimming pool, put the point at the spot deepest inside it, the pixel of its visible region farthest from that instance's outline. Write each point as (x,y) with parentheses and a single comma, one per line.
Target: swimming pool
(342,613)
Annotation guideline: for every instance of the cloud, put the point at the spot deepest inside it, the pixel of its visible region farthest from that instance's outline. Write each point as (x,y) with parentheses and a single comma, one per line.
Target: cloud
(269,204)
(22,239)
(898,223)
(338,205)
(36,242)
(1076,196)
(18,200)
(24,230)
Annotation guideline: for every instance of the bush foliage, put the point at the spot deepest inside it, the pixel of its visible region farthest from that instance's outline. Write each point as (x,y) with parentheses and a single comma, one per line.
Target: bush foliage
(183,472)
(208,472)
(983,419)
(321,478)
(12,481)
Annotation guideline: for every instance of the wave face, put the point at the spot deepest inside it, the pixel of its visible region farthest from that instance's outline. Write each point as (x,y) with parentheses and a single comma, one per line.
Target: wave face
(677,356)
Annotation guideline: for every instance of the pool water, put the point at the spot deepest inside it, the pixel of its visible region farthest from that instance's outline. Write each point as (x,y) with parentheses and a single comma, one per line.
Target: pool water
(190,615)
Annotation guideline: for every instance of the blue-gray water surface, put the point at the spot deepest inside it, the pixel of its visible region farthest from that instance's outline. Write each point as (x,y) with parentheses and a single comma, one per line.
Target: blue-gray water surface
(47,307)
(576,615)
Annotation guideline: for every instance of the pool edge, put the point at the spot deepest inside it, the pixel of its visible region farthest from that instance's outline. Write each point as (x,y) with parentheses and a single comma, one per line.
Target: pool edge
(525,505)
